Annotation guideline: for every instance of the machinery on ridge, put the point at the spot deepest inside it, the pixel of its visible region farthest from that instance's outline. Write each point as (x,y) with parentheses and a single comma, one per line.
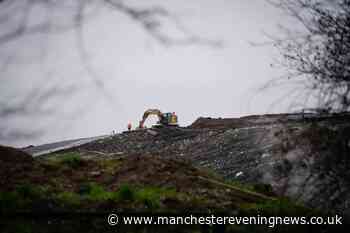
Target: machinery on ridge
(165,119)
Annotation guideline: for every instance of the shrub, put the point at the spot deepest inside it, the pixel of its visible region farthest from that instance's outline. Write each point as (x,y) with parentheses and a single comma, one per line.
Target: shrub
(9,201)
(69,198)
(29,191)
(125,192)
(72,159)
(95,192)
(22,197)
(150,197)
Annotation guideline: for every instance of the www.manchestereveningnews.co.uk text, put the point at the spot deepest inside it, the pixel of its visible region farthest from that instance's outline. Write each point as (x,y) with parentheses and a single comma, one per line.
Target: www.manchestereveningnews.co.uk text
(271,221)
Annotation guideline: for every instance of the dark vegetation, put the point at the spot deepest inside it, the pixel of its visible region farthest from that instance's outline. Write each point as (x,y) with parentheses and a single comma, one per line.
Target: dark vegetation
(72,180)
(55,189)
(330,145)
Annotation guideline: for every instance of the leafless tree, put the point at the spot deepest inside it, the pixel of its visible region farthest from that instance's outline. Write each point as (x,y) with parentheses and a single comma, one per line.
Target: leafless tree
(318,51)
(21,19)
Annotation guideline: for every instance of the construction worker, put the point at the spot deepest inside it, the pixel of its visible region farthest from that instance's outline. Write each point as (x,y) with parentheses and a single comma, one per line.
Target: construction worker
(129,126)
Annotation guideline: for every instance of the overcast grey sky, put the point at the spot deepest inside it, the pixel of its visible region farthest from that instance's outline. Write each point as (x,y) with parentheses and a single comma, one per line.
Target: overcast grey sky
(139,73)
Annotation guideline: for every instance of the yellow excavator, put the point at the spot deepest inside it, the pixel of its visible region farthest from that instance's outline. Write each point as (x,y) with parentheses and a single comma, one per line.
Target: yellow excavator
(165,119)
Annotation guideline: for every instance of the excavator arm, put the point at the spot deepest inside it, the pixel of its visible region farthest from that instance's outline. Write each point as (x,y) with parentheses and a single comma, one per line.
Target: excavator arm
(149,112)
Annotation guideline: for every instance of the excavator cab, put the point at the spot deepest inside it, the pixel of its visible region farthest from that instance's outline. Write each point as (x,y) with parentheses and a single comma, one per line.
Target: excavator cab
(172,118)
(164,119)
(168,119)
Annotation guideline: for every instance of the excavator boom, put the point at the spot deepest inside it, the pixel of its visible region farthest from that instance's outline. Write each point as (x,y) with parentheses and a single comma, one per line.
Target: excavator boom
(164,118)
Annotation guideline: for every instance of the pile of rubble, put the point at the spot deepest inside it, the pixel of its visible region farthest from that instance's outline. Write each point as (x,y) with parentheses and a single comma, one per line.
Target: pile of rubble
(280,150)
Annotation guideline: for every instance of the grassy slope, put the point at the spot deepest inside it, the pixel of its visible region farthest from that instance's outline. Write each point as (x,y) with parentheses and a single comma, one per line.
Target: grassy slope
(137,183)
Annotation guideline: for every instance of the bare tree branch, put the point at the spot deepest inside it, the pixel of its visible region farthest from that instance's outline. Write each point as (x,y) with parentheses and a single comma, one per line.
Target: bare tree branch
(23,19)
(321,54)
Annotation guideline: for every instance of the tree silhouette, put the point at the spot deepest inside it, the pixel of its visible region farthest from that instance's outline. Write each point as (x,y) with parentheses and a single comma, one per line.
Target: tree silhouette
(319,51)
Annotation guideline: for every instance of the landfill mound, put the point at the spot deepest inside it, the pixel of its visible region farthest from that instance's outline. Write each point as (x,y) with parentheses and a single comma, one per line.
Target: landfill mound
(240,167)
(302,156)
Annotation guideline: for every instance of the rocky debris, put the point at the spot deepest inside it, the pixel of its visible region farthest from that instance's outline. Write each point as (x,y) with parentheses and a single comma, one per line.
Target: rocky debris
(281,150)
(268,119)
